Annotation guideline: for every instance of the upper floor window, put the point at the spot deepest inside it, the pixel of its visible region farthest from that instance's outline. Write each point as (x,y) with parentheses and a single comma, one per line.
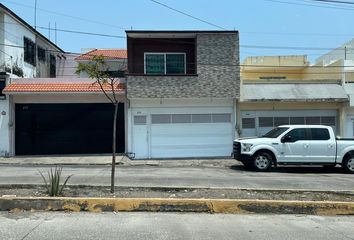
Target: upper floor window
(41,54)
(165,63)
(52,66)
(2,87)
(29,51)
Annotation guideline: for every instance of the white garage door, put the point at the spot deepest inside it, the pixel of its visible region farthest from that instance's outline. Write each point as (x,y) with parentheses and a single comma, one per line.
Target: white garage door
(181,134)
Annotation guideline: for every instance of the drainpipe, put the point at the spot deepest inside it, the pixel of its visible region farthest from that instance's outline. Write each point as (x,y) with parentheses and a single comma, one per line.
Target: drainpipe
(11,72)
(343,74)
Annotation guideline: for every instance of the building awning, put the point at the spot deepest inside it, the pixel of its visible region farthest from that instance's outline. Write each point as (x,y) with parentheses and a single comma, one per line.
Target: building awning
(293,92)
(46,86)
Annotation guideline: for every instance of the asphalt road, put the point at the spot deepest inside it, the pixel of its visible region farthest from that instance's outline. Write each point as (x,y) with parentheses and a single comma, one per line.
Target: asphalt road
(308,178)
(158,226)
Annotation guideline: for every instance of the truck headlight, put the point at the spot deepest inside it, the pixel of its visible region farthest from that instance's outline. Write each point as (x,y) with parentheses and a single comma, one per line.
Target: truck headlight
(246,147)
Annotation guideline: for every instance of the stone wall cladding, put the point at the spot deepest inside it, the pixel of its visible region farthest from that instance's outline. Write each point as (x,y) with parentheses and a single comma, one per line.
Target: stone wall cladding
(218,73)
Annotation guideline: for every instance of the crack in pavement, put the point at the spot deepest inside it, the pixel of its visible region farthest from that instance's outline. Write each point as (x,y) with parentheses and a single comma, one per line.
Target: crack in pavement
(33,229)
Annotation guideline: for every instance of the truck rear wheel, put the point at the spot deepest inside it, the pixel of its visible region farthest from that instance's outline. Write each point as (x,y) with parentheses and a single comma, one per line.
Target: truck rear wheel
(348,164)
(262,161)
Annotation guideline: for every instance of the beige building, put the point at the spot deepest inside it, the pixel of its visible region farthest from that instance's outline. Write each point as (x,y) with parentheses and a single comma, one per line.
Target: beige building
(278,90)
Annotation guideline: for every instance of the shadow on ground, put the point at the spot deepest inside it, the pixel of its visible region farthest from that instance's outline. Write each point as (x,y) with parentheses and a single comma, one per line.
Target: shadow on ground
(296,169)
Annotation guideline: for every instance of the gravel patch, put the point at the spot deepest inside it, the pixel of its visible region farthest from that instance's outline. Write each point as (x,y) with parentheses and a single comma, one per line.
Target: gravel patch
(197,193)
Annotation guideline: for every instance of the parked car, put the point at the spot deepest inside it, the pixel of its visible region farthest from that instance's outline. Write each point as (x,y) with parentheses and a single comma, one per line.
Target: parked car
(295,144)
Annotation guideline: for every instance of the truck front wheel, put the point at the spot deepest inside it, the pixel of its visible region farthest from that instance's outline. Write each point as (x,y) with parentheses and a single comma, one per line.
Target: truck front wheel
(348,164)
(262,161)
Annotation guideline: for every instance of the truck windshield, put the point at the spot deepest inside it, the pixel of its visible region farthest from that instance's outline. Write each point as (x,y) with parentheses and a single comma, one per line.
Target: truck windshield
(275,132)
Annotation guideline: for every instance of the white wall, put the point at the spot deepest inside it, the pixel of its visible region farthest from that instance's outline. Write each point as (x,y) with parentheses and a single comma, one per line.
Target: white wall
(346,51)
(112,65)
(4,127)
(14,33)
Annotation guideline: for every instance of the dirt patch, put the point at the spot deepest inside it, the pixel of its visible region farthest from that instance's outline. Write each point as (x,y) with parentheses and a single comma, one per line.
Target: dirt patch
(198,193)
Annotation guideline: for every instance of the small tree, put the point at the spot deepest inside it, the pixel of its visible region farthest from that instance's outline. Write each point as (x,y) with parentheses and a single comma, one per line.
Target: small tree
(97,69)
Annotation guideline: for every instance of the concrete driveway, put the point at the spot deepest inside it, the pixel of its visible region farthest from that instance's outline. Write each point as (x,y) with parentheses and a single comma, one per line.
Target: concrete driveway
(234,176)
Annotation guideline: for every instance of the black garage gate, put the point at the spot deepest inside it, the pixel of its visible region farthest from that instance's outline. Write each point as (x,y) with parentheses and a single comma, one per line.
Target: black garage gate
(44,129)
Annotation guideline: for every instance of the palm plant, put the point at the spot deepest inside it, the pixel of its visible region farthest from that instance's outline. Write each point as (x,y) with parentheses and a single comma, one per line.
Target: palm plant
(52,184)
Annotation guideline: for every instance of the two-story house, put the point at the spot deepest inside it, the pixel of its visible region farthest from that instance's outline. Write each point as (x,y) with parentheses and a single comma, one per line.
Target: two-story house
(24,53)
(282,90)
(182,88)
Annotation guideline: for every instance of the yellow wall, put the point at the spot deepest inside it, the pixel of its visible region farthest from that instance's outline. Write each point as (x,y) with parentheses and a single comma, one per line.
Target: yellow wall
(293,68)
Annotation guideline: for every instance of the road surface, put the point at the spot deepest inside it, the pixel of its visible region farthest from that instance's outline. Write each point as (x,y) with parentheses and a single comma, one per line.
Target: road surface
(176,226)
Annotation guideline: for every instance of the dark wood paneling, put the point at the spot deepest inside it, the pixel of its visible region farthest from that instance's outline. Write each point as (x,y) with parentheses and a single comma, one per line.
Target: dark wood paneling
(138,46)
(43,129)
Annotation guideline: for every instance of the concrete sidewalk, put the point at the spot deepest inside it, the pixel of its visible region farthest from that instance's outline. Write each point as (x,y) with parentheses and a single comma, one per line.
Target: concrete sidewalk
(120,160)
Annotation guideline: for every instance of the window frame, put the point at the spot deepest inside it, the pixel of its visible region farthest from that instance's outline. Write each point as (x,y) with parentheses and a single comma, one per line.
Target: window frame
(2,95)
(307,134)
(30,60)
(165,63)
(311,135)
(52,66)
(41,58)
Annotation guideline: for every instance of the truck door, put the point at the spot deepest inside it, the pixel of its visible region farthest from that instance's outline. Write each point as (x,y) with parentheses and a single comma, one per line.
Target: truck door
(322,148)
(296,148)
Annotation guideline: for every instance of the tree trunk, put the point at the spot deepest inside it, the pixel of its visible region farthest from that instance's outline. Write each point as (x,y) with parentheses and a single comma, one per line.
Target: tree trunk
(116,105)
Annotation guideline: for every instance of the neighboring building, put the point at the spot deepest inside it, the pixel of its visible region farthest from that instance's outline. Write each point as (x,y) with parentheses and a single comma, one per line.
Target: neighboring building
(281,90)
(115,59)
(182,89)
(62,116)
(65,115)
(343,56)
(24,53)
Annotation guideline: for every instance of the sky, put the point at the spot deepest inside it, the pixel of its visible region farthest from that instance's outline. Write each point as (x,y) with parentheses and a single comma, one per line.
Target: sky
(275,23)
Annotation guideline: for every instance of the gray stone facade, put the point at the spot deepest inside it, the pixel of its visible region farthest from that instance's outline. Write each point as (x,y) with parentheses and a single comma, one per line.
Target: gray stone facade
(218,73)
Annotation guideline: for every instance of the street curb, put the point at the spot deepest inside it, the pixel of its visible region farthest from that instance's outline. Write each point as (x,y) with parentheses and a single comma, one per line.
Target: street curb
(182,187)
(230,206)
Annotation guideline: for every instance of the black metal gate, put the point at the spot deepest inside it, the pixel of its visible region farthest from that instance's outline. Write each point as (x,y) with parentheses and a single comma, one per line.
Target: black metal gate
(44,129)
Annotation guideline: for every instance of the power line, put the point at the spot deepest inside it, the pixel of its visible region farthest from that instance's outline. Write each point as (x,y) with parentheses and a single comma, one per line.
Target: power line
(325,3)
(242,46)
(334,1)
(84,33)
(300,34)
(69,31)
(289,47)
(65,15)
(188,15)
(311,5)
(243,32)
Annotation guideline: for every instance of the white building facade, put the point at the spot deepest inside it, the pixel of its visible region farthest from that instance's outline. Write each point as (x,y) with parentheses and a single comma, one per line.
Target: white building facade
(24,53)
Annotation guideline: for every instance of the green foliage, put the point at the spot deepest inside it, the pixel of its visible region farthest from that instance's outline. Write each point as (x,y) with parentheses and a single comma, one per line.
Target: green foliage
(52,184)
(96,68)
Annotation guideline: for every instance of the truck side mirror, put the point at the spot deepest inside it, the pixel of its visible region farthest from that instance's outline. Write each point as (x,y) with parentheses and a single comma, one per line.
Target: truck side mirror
(285,139)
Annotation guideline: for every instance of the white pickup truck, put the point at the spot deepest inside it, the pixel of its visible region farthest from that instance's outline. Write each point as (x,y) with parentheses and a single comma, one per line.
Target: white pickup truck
(295,144)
